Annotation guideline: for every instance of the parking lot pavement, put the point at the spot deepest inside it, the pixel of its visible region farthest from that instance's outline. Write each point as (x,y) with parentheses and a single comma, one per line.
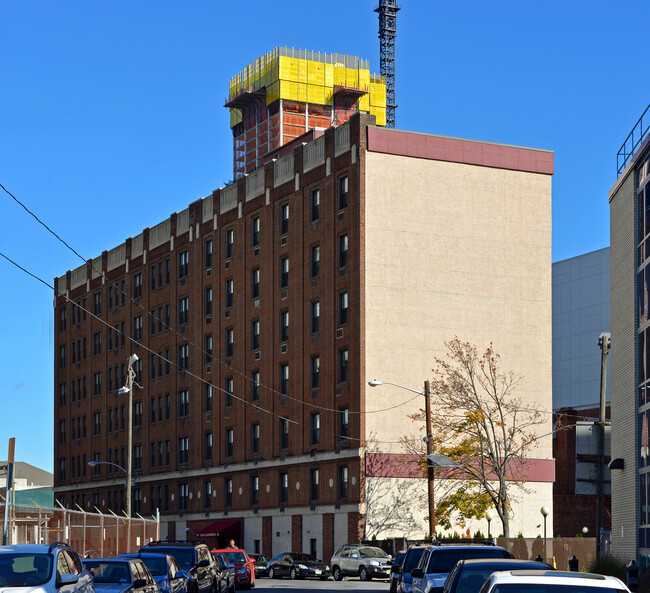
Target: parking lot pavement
(309,585)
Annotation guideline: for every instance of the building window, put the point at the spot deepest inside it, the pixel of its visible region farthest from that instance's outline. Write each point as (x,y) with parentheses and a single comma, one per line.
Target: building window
(314,432)
(343,251)
(284,433)
(283,487)
(208,445)
(137,414)
(343,482)
(314,324)
(62,357)
(152,410)
(97,383)
(314,372)
(62,468)
(97,469)
(183,310)
(314,482)
(284,272)
(230,386)
(343,308)
(230,291)
(97,424)
(255,231)
(97,303)
(97,343)
(183,449)
(137,285)
(183,496)
(284,219)
(207,250)
(315,205)
(207,400)
(230,243)
(315,261)
(62,393)
(183,264)
(255,437)
(343,192)
(230,437)
(255,283)
(137,457)
(63,318)
(208,301)
(152,278)
(207,493)
(184,356)
(255,490)
(230,342)
(183,403)
(208,349)
(227,492)
(62,431)
(255,386)
(284,325)
(343,365)
(137,328)
(255,334)
(344,424)
(284,378)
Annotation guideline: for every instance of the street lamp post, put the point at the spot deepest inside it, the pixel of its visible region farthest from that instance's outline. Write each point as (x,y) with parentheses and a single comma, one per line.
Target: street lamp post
(545,511)
(94,463)
(489,516)
(428,439)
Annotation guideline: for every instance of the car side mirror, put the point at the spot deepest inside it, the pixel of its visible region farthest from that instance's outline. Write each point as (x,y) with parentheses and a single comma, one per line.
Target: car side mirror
(67,579)
(203,563)
(253,560)
(417,573)
(139,583)
(178,575)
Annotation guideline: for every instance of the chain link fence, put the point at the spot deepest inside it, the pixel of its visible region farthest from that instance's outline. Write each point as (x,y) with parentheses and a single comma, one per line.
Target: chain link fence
(91,534)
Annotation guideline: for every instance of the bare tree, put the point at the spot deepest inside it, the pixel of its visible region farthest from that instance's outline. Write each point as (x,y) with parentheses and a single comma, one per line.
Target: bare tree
(484,426)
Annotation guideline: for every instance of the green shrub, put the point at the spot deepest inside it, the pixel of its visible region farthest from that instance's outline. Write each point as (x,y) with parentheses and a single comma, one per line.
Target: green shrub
(608,565)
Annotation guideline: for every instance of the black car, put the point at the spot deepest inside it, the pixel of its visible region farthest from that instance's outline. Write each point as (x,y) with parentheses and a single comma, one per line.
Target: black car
(468,576)
(261,562)
(226,573)
(297,566)
(195,561)
(395,571)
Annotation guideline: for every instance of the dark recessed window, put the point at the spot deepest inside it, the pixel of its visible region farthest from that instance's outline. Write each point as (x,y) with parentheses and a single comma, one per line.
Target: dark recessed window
(315,261)
(284,219)
(315,205)
(255,231)
(314,372)
(343,192)
(284,272)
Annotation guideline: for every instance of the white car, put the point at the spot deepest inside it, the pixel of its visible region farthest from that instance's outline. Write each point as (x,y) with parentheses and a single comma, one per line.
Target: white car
(38,568)
(551,581)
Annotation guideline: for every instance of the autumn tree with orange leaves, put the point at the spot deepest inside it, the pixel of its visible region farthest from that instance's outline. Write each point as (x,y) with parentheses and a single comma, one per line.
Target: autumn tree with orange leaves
(482,424)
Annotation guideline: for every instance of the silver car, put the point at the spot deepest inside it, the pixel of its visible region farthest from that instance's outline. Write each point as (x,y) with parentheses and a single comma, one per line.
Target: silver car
(366,562)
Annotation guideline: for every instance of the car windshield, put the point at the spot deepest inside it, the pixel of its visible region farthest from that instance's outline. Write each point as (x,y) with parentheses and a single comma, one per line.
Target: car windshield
(538,587)
(444,560)
(184,556)
(157,565)
(109,572)
(235,556)
(24,570)
(372,553)
(260,558)
(302,558)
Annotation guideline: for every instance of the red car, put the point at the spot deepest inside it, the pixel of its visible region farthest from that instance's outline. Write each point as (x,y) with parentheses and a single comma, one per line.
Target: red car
(244,566)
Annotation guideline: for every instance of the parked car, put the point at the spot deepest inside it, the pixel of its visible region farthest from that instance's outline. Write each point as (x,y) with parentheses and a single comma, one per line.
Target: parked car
(438,561)
(366,562)
(164,569)
(469,575)
(53,568)
(297,566)
(121,575)
(226,573)
(395,570)
(415,558)
(541,581)
(261,562)
(194,560)
(244,566)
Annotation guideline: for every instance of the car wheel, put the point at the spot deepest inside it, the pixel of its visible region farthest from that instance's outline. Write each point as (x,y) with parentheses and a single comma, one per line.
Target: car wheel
(337,574)
(363,574)
(293,574)
(271,573)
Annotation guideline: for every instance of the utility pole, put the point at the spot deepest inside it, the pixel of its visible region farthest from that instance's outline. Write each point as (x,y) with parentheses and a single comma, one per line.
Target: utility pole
(428,439)
(9,490)
(605,342)
(129,449)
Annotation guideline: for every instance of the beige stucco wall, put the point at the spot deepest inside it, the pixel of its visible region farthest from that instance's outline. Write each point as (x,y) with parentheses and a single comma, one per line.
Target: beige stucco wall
(454,250)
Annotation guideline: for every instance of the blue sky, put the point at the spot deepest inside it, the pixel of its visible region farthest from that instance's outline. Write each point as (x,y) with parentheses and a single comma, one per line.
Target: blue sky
(112,118)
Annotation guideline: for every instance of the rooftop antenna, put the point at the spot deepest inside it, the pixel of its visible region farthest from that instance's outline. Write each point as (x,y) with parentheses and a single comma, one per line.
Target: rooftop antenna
(387,10)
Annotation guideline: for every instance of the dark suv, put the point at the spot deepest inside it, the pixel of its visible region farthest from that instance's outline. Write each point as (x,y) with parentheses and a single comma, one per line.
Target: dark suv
(195,561)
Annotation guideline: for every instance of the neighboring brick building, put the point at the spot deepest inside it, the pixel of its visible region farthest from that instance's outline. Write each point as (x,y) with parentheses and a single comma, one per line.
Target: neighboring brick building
(353,256)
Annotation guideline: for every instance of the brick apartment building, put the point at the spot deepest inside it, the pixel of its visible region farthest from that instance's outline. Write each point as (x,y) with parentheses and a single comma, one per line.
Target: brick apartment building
(260,312)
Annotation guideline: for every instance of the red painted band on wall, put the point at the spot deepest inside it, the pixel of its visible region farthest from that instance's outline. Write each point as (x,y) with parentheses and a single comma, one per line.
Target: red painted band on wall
(401,465)
(455,150)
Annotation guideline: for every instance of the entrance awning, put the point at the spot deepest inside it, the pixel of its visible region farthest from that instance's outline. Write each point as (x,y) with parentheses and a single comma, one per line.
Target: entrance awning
(220,528)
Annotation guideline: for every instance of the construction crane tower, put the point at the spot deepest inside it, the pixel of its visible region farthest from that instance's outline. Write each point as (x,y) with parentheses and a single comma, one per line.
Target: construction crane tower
(387,10)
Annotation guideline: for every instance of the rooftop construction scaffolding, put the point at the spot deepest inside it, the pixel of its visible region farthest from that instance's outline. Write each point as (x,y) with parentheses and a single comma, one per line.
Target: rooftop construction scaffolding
(287,92)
